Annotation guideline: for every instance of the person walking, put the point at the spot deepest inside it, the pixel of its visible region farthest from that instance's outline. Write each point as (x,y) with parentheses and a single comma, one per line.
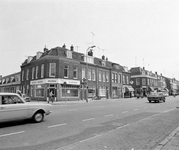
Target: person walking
(51,97)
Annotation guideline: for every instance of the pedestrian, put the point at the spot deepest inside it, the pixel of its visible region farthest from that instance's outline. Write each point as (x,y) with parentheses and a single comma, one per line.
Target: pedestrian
(50,97)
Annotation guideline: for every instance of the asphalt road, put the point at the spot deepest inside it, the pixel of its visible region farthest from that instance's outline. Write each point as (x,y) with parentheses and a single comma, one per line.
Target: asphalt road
(111,124)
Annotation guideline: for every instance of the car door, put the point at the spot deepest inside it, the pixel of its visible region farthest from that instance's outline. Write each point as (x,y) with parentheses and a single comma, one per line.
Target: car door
(13,109)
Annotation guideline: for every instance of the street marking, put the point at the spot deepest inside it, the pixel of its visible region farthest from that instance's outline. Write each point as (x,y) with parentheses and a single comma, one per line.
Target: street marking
(136,109)
(3,135)
(88,119)
(57,125)
(123,126)
(108,115)
(125,112)
(168,110)
(90,138)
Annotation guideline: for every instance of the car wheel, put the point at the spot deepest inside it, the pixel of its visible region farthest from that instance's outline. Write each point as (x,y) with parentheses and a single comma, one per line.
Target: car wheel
(38,117)
(149,101)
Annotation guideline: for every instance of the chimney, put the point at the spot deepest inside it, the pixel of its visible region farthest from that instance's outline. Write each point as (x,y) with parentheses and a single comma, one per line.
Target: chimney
(90,53)
(71,47)
(143,68)
(106,58)
(45,49)
(103,57)
(64,46)
(156,72)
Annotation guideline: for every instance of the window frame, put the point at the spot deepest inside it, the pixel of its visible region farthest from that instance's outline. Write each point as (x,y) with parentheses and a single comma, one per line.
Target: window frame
(67,70)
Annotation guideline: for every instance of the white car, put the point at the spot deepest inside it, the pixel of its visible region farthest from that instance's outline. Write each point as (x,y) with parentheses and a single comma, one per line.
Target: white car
(14,107)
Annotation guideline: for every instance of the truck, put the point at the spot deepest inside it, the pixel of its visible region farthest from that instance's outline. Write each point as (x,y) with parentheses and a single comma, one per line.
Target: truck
(156,97)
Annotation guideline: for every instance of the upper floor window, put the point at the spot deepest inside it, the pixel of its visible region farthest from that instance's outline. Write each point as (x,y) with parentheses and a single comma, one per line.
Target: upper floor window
(104,79)
(69,54)
(93,75)
(42,70)
(99,75)
(103,63)
(33,71)
(36,72)
(90,59)
(75,72)
(119,78)
(52,72)
(107,77)
(148,82)
(123,79)
(66,71)
(27,74)
(114,77)
(89,74)
(83,73)
(143,81)
(23,75)
(127,79)
(138,81)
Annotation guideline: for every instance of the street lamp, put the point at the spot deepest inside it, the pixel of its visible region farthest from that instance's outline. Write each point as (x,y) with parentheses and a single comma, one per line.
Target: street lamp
(87,71)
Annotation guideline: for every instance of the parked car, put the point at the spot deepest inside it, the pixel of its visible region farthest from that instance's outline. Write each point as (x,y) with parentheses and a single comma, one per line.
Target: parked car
(156,97)
(14,107)
(26,98)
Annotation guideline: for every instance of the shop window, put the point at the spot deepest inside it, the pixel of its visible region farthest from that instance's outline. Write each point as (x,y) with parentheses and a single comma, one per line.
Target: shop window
(39,91)
(102,91)
(70,91)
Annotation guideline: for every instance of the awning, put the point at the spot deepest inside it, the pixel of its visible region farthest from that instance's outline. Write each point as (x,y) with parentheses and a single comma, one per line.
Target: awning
(129,88)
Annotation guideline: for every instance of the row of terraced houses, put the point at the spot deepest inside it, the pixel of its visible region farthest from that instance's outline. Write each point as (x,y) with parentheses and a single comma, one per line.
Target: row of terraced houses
(73,76)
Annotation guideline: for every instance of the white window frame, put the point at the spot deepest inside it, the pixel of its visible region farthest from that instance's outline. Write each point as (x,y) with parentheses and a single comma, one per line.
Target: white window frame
(93,75)
(33,70)
(119,78)
(27,74)
(83,72)
(69,54)
(52,70)
(23,75)
(67,70)
(100,76)
(36,72)
(75,69)
(104,77)
(42,70)
(107,77)
(89,74)
(137,81)
(123,79)
(127,79)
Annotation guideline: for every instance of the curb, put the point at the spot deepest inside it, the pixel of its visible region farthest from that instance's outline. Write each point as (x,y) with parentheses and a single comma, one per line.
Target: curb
(167,139)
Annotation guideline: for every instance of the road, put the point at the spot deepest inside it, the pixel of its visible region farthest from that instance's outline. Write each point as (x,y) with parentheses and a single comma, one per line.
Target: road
(111,124)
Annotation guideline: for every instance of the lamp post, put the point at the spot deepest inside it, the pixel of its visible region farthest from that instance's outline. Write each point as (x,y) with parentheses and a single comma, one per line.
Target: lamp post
(89,48)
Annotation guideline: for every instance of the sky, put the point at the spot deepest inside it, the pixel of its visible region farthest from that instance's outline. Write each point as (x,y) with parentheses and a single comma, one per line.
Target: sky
(132,33)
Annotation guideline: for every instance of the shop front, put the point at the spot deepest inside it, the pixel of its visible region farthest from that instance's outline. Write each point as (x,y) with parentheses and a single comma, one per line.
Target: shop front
(128,91)
(62,89)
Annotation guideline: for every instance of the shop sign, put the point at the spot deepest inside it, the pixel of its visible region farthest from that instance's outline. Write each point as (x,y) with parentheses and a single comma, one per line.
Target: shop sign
(72,82)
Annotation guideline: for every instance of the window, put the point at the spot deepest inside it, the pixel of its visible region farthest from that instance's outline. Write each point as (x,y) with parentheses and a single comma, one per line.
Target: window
(52,70)
(93,75)
(39,91)
(115,78)
(23,75)
(107,77)
(33,71)
(123,79)
(42,70)
(12,99)
(36,72)
(99,75)
(143,81)
(27,74)
(104,77)
(119,78)
(66,71)
(137,81)
(83,73)
(90,59)
(148,82)
(102,91)
(75,72)
(127,79)
(89,74)
(69,54)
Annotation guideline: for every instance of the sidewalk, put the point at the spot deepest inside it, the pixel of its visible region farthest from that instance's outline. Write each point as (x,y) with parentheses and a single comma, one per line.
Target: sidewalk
(171,142)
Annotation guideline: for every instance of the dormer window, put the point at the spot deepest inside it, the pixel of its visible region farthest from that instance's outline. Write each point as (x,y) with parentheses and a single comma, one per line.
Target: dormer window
(103,63)
(89,59)
(69,54)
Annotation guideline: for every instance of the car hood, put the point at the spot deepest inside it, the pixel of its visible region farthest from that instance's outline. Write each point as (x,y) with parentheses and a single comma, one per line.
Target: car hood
(37,104)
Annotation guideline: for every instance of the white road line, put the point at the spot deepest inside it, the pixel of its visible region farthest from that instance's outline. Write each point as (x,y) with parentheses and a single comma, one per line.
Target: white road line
(57,125)
(125,112)
(109,115)
(168,110)
(90,138)
(123,126)
(136,109)
(3,135)
(88,119)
